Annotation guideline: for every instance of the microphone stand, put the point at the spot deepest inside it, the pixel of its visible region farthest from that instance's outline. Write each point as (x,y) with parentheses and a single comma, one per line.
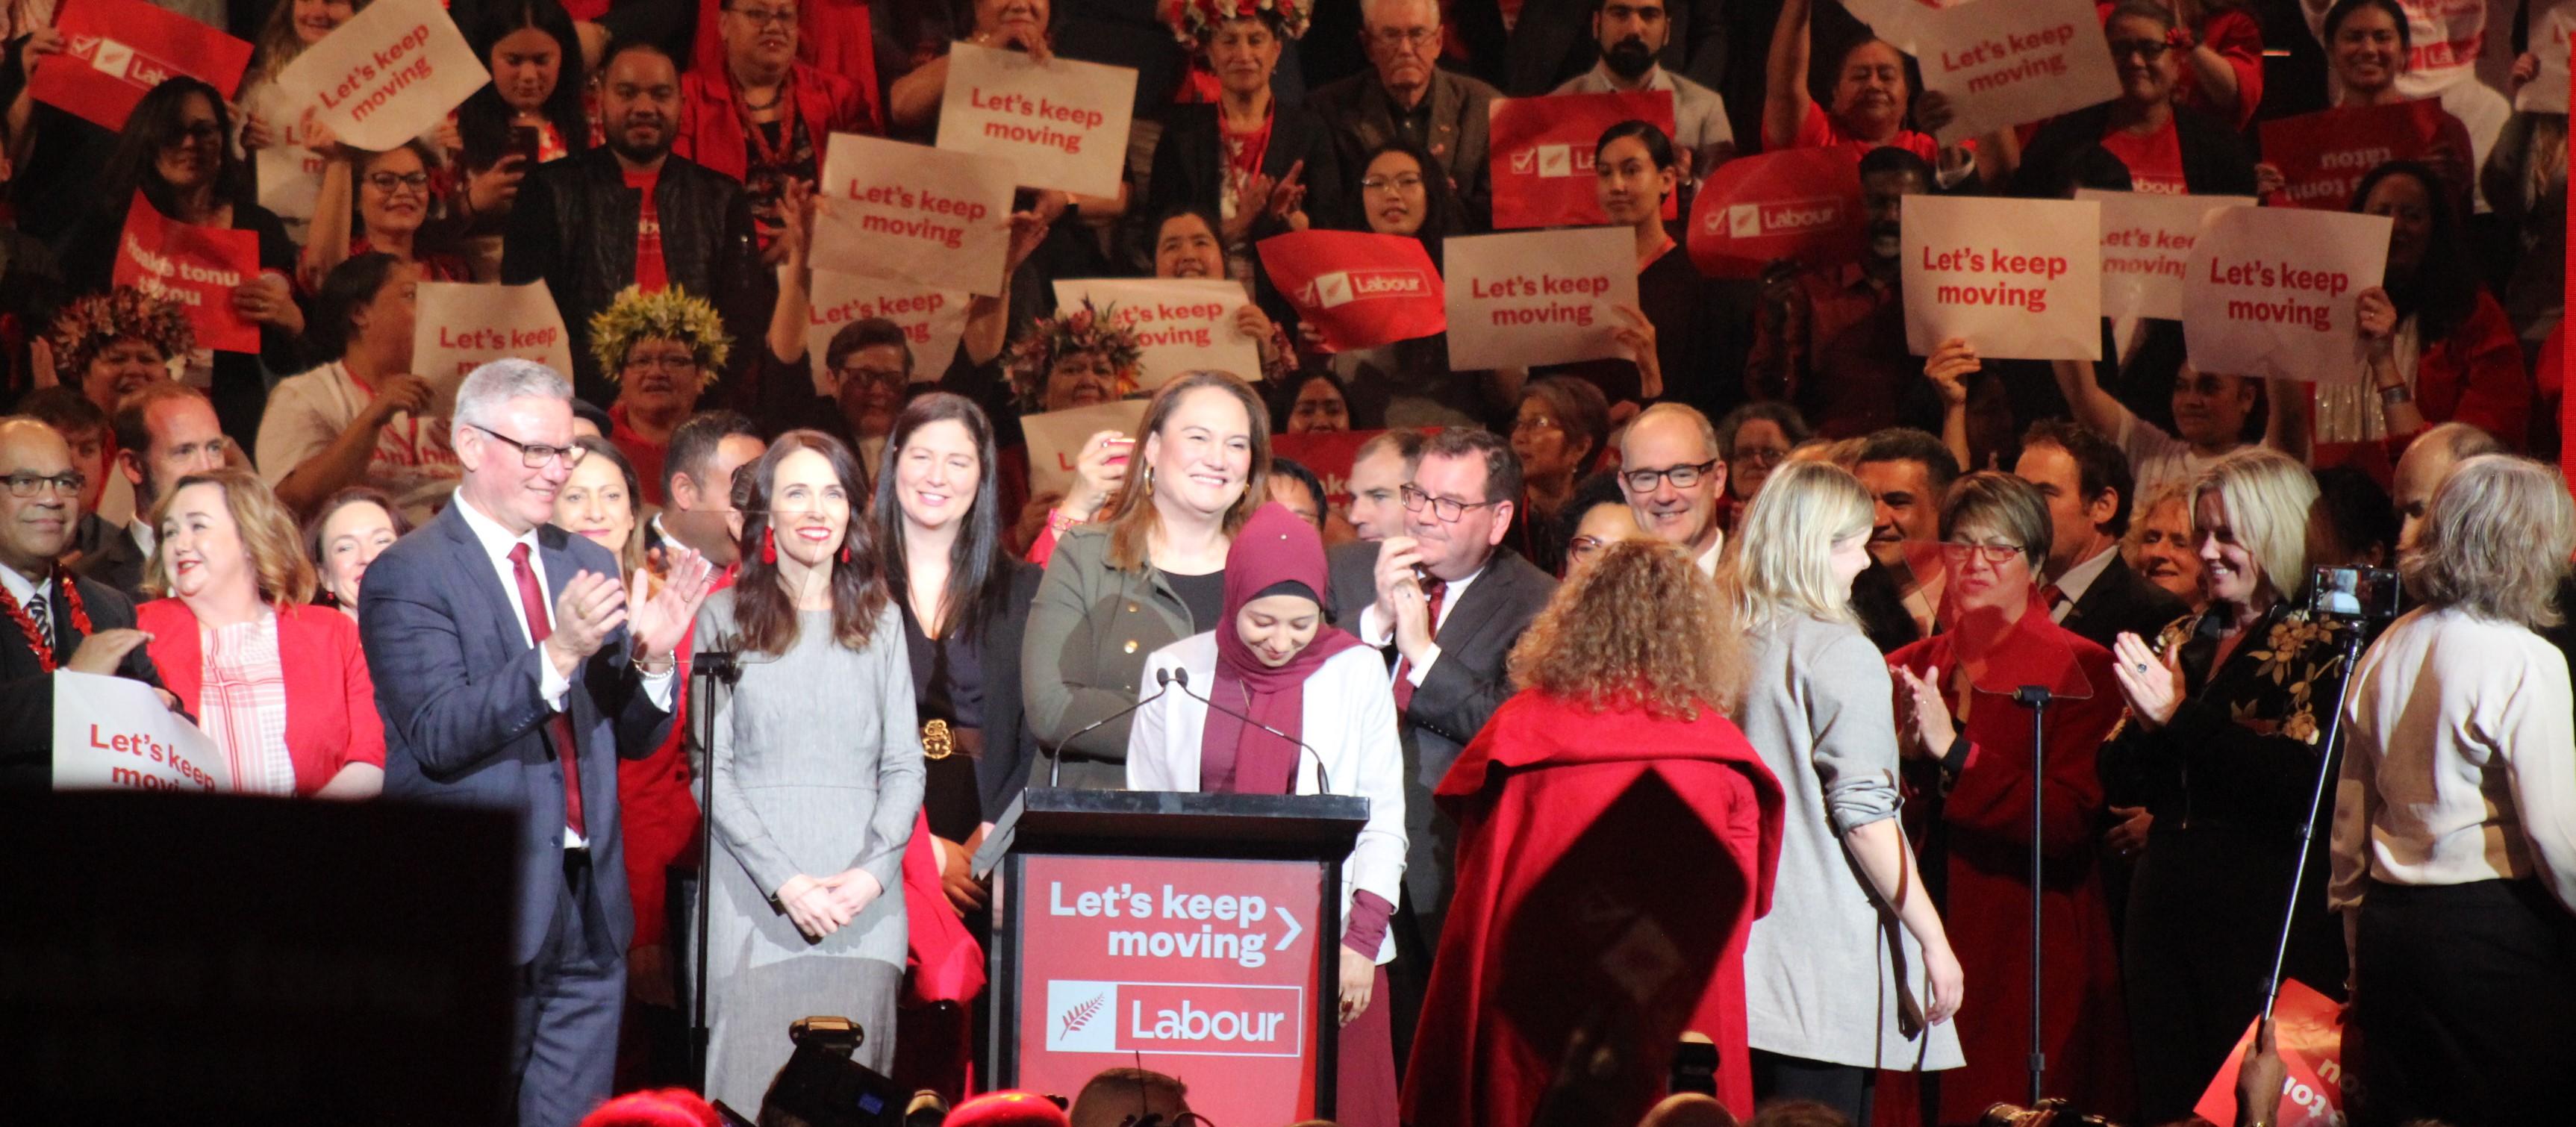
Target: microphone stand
(2037,697)
(713,667)
(1055,762)
(2316,802)
(1323,781)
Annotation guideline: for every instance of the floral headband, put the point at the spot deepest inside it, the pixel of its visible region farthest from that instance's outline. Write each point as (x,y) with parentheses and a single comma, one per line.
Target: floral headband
(670,314)
(1087,329)
(85,328)
(1196,21)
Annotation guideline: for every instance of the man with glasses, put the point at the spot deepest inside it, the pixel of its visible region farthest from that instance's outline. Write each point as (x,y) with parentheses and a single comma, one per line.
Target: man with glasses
(1671,472)
(763,117)
(1632,35)
(360,418)
(56,620)
(163,433)
(1406,97)
(1450,602)
(512,669)
(693,226)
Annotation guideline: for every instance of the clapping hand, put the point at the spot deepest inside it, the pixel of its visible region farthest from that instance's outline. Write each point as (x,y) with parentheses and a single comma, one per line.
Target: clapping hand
(588,608)
(2152,682)
(1923,726)
(661,617)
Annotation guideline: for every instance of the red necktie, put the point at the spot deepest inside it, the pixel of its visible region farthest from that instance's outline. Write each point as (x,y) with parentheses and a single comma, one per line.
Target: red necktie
(2049,597)
(1432,590)
(558,727)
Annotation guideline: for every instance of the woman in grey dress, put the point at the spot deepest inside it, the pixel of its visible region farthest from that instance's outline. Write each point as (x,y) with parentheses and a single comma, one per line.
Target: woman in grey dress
(817,774)
(1834,990)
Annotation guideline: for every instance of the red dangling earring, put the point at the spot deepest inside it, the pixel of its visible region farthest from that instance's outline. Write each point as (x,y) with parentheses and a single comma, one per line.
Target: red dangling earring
(769,546)
(845,551)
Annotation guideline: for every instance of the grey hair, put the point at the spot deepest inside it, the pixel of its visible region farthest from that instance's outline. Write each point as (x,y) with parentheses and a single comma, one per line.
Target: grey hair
(1369,6)
(486,388)
(2495,542)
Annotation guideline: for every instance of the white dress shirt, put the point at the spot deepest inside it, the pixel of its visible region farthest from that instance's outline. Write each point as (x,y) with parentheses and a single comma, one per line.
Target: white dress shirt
(27,592)
(1707,560)
(551,682)
(1377,630)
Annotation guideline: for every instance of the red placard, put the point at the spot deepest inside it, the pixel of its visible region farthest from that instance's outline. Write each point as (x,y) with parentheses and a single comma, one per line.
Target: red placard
(1360,290)
(194,266)
(1204,970)
(2323,156)
(116,50)
(1797,204)
(1329,453)
(1542,154)
(2309,1037)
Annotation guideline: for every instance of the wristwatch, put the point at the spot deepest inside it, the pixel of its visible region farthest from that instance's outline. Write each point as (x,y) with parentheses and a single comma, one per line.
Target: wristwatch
(2392,396)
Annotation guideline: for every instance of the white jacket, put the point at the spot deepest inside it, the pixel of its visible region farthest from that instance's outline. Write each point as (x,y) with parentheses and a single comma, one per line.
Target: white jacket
(1350,722)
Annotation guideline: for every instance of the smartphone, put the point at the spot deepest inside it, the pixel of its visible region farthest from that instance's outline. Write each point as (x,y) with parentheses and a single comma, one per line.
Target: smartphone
(1120,444)
(2369,593)
(523,143)
(1694,1065)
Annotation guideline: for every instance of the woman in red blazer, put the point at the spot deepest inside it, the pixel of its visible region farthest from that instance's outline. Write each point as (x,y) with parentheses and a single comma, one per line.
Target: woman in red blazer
(1956,714)
(1616,838)
(278,683)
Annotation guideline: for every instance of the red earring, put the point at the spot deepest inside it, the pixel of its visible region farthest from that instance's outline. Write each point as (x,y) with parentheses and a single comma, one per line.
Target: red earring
(845,551)
(769,546)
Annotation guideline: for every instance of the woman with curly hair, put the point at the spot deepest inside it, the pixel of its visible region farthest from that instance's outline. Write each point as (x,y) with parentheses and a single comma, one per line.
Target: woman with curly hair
(109,345)
(2223,745)
(663,348)
(1616,748)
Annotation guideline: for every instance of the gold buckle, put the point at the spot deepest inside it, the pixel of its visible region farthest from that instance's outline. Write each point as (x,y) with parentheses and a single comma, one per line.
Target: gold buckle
(936,741)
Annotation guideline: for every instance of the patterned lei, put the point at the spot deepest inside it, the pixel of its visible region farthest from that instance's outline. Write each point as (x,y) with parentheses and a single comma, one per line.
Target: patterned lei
(36,640)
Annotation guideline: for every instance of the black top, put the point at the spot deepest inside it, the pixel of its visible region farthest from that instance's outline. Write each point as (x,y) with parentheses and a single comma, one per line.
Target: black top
(947,684)
(1675,299)
(1203,594)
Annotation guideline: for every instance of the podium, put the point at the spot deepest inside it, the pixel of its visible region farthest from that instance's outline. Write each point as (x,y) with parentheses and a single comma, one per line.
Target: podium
(1192,934)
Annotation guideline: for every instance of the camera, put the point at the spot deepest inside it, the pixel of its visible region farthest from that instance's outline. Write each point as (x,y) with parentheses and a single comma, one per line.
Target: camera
(2049,1113)
(2356,593)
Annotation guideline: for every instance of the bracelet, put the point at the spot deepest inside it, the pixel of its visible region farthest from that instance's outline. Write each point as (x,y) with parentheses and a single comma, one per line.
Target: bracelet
(2392,396)
(1059,522)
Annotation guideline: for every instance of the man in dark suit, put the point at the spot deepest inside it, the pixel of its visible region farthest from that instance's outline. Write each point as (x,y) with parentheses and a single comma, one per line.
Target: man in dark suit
(512,671)
(697,484)
(2089,589)
(1450,603)
(1380,470)
(87,629)
(164,432)
(1406,96)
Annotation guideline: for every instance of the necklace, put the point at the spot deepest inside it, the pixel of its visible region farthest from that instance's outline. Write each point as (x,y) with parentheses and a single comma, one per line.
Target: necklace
(36,640)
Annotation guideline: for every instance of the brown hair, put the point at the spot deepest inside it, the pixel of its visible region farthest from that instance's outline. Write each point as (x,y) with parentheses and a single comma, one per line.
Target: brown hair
(764,616)
(2000,502)
(283,574)
(1132,517)
(1641,628)
(343,499)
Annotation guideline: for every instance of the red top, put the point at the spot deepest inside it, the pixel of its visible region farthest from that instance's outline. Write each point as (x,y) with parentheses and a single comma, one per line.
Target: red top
(833,40)
(331,717)
(1555,800)
(711,115)
(641,452)
(2154,159)
(1817,131)
(1986,821)
(649,271)
(2474,375)
(2238,39)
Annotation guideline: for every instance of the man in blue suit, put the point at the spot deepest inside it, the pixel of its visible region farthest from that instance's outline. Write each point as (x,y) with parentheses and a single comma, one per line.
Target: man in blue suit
(511,669)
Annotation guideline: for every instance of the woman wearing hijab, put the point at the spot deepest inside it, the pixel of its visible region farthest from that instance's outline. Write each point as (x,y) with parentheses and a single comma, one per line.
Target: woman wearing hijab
(1282,679)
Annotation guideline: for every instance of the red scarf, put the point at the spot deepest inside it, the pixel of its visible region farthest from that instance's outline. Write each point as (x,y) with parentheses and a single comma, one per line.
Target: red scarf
(1275,546)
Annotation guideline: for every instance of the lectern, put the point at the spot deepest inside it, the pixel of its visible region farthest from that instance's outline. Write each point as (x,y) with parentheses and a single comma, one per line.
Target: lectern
(1191,934)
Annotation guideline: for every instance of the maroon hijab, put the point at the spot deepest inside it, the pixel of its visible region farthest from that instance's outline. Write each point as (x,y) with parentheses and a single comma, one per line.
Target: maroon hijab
(1276,547)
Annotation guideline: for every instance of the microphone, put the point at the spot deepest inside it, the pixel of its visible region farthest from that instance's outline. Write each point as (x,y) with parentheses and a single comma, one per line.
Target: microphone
(1055,766)
(1181,677)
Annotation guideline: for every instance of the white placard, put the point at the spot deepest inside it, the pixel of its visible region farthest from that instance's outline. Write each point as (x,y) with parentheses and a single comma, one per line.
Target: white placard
(892,210)
(1181,324)
(1539,297)
(2272,291)
(460,326)
(2020,279)
(931,320)
(2146,248)
(114,734)
(1056,438)
(388,75)
(2550,34)
(1062,124)
(2003,63)
(290,180)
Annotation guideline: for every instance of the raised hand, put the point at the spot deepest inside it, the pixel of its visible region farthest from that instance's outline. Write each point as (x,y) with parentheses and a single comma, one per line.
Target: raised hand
(661,617)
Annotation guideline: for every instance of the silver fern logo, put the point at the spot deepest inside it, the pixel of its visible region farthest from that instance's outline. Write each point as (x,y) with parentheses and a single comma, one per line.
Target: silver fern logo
(1082,1017)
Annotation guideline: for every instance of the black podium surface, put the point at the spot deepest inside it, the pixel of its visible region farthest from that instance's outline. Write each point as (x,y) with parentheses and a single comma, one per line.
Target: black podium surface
(1137,926)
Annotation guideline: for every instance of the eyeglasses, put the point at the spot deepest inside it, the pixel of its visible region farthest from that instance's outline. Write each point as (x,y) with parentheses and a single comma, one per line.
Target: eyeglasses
(532,455)
(1682,477)
(872,375)
(1762,455)
(1534,424)
(1404,36)
(1400,185)
(1447,510)
(1995,554)
(1583,547)
(783,17)
(195,133)
(2147,50)
(671,362)
(390,182)
(28,484)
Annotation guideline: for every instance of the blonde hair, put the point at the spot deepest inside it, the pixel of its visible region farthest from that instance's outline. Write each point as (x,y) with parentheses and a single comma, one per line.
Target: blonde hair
(1640,628)
(2495,542)
(1132,518)
(2133,542)
(1782,562)
(2267,494)
(278,43)
(267,530)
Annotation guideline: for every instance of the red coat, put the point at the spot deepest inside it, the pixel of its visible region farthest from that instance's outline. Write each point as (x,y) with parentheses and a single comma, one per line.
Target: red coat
(1986,821)
(331,718)
(832,37)
(2474,375)
(711,126)
(1533,787)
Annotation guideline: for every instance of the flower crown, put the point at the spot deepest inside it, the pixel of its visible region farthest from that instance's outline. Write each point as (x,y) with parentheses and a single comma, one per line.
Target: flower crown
(1195,21)
(1087,329)
(669,314)
(89,324)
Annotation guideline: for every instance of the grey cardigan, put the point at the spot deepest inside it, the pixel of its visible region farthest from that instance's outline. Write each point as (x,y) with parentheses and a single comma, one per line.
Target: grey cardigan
(1084,654)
